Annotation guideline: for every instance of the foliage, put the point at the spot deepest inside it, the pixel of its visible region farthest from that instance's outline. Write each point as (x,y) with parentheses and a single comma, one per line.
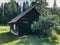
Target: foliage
(46,24)
(58,29)
(43,24)
(42,7)
(1,16)
(11,10)
(47,21)
(33,3)
(8,11)
(26,6)
(55,11)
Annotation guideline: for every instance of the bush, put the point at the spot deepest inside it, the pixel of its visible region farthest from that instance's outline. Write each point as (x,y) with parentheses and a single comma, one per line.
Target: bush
(58,29)
(45,25)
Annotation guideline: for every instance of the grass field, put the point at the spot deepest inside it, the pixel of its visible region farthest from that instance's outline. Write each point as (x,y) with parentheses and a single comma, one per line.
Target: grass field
(7,38)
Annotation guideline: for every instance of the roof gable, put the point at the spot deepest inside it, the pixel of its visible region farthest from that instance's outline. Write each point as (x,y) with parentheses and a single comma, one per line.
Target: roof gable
(21,15)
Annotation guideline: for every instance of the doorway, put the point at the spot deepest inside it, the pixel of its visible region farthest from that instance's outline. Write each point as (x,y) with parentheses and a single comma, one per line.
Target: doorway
(26,27)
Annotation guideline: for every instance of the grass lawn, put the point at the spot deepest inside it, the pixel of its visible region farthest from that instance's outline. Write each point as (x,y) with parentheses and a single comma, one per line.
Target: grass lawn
(7,38)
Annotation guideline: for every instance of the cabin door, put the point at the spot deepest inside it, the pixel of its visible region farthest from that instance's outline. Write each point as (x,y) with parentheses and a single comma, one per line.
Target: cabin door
(26,27)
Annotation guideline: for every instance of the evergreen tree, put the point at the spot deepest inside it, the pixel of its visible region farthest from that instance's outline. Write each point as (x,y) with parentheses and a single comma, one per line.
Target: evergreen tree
(11,10)
(46,22)
(54,5)
(33,3)
(54,9)
(26,6)
(42,7)
(1,15)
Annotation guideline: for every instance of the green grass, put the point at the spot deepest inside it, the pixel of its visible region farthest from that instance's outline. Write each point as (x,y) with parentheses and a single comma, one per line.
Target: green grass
(4,29)
(6,38)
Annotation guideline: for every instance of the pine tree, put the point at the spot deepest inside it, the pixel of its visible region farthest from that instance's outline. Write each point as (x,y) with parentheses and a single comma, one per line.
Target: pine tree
(54,5)
(11,10)
(1,15)
(54,9)
(42,7)
(26,6)
(33,3)
(43,24)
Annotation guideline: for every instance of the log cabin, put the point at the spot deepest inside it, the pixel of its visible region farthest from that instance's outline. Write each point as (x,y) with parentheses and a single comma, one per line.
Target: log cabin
(21,24)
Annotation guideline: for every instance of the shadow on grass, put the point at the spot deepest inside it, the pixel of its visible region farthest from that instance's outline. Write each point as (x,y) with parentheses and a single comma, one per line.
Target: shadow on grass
(36,41)
(7,37)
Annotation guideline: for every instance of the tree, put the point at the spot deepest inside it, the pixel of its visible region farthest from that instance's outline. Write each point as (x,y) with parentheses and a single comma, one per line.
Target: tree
(55,4)
(33,3)
(55,9)
(42,7)
(1,15)
(45,25)
(26,6)
(46,22)
(11,10)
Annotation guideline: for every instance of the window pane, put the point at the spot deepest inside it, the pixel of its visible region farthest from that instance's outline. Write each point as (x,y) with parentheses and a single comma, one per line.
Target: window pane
(14,27)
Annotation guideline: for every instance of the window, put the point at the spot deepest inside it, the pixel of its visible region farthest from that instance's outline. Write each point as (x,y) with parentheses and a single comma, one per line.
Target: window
(14,26)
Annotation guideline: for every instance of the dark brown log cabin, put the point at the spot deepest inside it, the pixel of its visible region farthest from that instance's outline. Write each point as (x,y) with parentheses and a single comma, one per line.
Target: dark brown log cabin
(22,23)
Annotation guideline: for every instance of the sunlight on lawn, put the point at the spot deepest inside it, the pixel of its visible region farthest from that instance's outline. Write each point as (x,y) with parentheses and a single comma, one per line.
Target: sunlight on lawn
(4,29)
(6,38)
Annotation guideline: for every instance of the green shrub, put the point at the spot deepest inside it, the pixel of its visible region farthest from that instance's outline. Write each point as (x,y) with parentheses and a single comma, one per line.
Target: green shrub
(58,29)
(45,25)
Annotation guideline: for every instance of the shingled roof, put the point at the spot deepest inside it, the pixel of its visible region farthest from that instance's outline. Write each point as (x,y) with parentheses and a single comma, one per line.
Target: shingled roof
(20,15)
